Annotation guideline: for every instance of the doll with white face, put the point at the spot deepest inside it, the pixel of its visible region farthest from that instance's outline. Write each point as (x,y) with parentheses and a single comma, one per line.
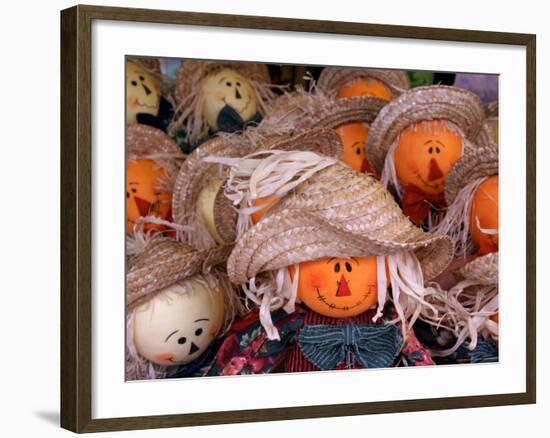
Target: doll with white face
(178,324)
(175,311)
(229,101)
(218,97)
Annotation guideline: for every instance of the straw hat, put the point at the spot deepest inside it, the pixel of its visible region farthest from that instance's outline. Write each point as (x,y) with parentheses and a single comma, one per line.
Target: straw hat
(196,173)
(333,78)
(150,64)
(476,163)
(457,105)
(164,262)
(336,212)
(145,140)
(483,270)
(192,72)
(300,110)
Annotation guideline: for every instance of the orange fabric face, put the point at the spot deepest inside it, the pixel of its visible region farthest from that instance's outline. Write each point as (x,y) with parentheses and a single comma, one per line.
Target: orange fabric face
(485,211)
(142,196)
(339,288)
(353,137)
(424,155)
(365,87)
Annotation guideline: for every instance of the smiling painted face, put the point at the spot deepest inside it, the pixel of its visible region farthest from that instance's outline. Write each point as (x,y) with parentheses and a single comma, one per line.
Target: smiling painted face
(142,93)
(339,288)
(353,137)
(425,153)
(484,216)
(143,197)
(227,88)
(175,327)
(365,87)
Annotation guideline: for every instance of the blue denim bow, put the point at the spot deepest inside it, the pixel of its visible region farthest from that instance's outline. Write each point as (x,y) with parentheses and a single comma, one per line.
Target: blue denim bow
(372,346)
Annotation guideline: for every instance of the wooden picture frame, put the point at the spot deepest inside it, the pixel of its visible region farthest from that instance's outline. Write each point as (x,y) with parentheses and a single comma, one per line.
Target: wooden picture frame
(76,226)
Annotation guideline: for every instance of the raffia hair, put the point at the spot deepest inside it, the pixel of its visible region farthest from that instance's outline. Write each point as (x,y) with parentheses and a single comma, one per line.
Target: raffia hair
(388,177)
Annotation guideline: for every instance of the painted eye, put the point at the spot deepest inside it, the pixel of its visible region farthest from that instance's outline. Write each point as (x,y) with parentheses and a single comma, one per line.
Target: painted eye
(198,332)
(437,149)
(134,83)
(431,150)
(228,84)
(182,340)
(358,151)
(127,194)
(348,267)
(141,78)
(238,84)
(337,267)
(134,190)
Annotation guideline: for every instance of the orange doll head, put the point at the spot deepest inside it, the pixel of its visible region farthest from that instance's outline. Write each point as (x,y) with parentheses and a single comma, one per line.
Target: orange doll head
(424,154)
(143,196)
(484,216)
(339,288)
(365,86)
(353,137)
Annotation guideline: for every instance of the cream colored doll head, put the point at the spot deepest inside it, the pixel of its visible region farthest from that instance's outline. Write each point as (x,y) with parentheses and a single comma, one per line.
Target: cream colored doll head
(177,304)
(179,323)
(227,87)
(142,92)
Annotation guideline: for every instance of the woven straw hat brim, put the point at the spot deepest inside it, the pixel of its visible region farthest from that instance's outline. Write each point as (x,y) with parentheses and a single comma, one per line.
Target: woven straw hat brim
(333,78)
(474,164)
(457,105)
(142,140)
(150,64)
(295,112)
(163,263)
(195,173)
(192,72)
(483,269)
(336,213)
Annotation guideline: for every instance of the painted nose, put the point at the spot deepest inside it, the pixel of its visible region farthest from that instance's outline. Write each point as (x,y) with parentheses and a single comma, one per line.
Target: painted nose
(435,171)
(364,165)
(237,94)
(343,288)
(147,90)
(144,207)
(193,348)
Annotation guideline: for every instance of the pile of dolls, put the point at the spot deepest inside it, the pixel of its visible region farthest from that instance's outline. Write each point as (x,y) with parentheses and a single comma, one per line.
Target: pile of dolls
(350,223)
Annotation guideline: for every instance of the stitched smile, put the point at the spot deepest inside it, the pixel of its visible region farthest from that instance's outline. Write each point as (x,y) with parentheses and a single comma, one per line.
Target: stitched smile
(323,299)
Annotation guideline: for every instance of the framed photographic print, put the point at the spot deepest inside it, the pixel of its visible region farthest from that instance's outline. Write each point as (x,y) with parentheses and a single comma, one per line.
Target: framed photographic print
(309,227)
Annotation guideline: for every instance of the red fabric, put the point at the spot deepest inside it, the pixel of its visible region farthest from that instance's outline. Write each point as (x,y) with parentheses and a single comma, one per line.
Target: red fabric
(417,203)
(295,361)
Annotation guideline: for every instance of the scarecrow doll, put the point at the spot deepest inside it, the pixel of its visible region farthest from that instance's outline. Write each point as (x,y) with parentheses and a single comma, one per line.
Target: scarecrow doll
(349,117)
(332,240)
(153,161)
(416,139)
(177,309)
(199,204)
(343,82)
(217,96)
(148,94)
